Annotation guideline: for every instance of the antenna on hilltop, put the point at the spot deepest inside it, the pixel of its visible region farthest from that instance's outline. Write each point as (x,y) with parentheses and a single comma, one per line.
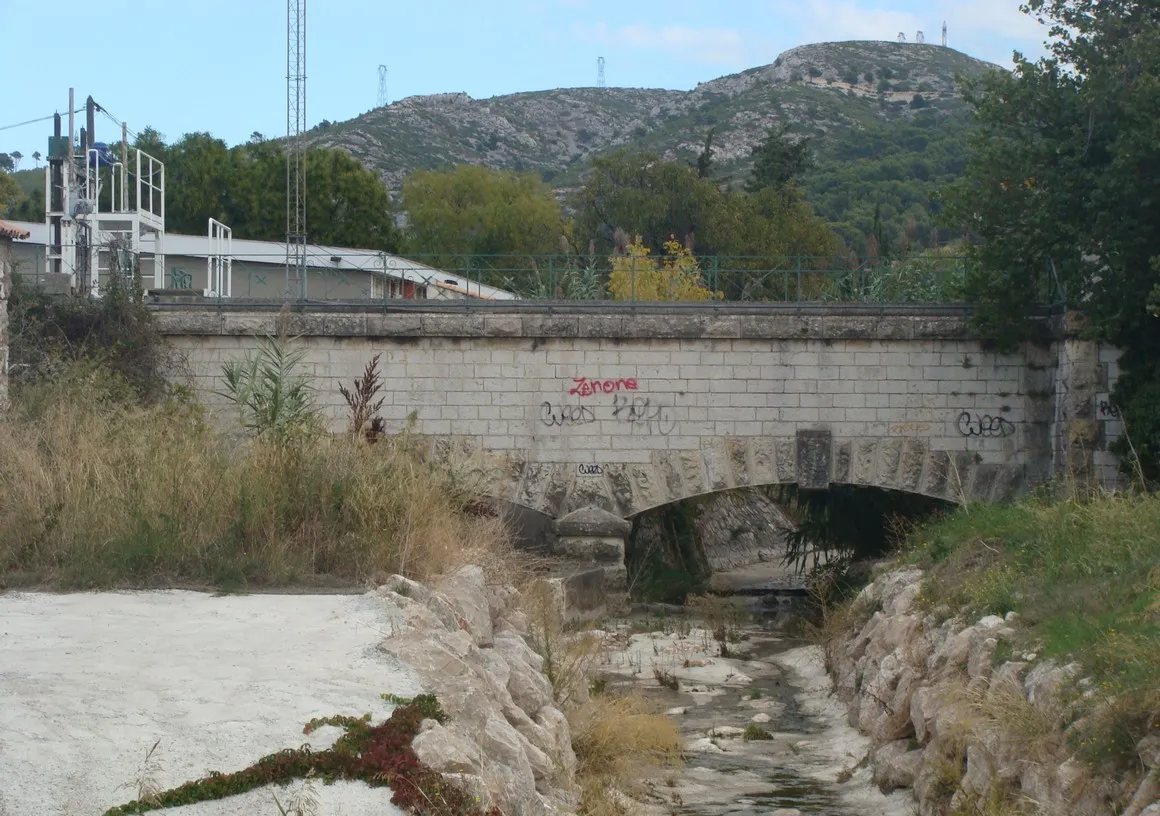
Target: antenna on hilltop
(944,33)
(383,102)
(919,37)
(901,37)
(600,72)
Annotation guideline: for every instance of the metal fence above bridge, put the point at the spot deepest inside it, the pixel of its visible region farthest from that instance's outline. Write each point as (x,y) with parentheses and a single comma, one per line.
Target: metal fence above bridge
(923,278)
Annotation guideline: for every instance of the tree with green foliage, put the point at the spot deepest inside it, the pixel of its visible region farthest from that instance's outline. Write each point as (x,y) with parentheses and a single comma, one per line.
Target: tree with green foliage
(705,159)
(641,193)
(1062,189)
(199,175)
(779,159)
(10,193)
(471,210)
(245,187)
(26,207)
(772,223)
(644,195)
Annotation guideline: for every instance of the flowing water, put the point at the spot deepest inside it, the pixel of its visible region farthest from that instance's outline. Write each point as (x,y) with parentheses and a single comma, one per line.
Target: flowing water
(809,760)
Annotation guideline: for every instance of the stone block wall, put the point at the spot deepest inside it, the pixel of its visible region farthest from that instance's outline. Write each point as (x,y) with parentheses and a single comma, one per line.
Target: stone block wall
(713,391)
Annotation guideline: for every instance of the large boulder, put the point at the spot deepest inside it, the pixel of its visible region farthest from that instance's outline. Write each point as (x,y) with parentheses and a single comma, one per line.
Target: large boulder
(503,733)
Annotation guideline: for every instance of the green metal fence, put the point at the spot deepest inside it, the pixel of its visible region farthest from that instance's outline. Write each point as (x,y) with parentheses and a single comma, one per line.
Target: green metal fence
(922,278)
(571,278)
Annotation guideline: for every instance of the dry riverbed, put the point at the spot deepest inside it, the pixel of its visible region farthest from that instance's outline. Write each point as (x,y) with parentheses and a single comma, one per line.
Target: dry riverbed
(806,759)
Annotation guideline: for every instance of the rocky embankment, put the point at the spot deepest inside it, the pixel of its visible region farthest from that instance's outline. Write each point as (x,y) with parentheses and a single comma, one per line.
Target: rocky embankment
(505,742)
(967,732)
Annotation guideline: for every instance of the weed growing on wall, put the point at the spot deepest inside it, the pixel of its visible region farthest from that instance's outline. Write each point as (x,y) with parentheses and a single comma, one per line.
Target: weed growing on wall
(272,399)
(379,755)
(365,423)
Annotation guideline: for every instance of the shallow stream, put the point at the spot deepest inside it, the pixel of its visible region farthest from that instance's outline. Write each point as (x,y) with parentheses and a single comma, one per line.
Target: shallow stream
(807,760)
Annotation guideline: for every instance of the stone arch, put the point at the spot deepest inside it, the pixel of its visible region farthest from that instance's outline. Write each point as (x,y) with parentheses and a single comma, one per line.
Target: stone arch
(812,460)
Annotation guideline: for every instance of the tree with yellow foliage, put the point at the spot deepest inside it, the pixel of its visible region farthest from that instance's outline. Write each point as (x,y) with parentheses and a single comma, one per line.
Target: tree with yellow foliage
(636,276)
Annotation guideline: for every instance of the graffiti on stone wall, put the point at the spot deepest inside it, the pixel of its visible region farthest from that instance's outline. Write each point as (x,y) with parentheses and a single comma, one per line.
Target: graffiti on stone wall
(984,425)
(1105,408)
(907,428)
(588,469)
(584,387)
(566,415)
(643,414)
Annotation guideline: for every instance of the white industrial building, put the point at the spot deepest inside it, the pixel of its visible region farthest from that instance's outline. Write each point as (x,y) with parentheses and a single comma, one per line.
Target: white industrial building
(105,212)
(236,268)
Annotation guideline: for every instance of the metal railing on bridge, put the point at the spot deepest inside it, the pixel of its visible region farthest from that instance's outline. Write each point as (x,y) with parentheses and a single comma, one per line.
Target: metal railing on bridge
(920,278)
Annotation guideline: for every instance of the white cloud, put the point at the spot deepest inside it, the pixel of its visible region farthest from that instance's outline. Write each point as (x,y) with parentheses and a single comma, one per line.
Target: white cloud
(827,21)
(999,17)
(985,28)
(716,46)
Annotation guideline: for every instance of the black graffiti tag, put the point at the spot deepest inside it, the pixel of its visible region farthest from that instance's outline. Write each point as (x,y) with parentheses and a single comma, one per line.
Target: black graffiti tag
(984,425)
(1109,409)
(589,470)
(640,412)
(560,415)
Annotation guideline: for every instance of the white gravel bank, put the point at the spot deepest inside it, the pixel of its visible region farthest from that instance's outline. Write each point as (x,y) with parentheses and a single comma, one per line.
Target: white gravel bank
(89,681)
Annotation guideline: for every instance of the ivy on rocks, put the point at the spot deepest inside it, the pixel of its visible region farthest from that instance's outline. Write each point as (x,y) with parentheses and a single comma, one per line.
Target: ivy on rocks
(379,755)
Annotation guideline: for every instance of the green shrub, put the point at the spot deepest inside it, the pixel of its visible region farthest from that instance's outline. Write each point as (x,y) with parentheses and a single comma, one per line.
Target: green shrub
(49,335)
(1084,578)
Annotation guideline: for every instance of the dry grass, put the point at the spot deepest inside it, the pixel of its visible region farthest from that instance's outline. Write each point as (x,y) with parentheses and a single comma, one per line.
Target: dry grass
(98,492)
(1037,731)
(618,741)
(569,657)
(721,615)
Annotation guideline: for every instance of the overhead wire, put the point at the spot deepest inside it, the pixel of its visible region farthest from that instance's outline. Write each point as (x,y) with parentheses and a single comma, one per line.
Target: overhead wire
(118,122)
(34,121)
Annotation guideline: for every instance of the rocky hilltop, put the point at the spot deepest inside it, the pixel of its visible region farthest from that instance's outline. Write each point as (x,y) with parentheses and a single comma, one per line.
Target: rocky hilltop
(830,90)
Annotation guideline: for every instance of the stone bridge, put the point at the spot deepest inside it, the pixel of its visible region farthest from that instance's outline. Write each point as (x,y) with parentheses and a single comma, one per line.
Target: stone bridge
(601,411)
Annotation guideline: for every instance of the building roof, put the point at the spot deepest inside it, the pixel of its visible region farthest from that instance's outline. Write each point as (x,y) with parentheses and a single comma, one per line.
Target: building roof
(12,231)
(329,258)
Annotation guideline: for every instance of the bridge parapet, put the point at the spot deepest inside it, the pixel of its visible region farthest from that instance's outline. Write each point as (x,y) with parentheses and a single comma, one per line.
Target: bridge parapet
(628,406)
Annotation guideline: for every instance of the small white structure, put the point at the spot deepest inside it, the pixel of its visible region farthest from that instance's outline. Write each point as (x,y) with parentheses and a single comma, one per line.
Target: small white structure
(216,264)
(105,212)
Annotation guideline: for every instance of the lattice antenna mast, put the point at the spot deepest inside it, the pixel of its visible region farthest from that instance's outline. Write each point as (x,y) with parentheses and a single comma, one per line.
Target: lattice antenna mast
(901,36)
(944,33)
(383,102)
(295,150)
(600,72)
(920,37)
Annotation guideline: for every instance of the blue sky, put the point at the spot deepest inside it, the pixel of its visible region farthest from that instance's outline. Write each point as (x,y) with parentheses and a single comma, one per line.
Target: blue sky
(219,65)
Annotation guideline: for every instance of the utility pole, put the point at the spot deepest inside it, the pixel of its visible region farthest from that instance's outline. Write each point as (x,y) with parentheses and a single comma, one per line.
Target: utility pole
(295,160)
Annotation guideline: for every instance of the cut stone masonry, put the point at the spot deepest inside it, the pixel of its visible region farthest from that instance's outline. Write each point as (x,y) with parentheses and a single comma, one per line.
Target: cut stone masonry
(621,408)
